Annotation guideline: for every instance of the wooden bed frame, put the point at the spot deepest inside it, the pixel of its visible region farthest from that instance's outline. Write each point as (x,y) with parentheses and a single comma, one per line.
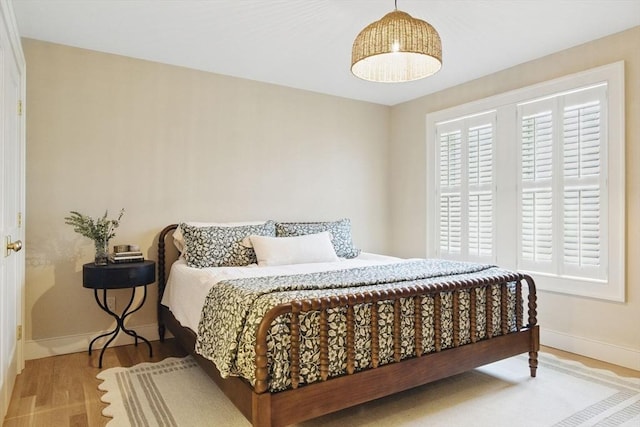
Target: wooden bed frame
(263,408)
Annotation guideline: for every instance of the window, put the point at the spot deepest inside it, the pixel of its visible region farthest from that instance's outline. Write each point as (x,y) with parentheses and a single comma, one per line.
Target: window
(546,163)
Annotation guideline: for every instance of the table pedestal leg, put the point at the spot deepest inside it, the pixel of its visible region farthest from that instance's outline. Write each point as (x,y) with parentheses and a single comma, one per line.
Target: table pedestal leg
(119,322)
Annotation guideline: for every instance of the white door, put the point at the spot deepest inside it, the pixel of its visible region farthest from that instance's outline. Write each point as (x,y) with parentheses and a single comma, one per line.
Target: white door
(11,206)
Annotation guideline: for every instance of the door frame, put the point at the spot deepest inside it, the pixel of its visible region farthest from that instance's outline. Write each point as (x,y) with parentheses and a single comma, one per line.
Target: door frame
(14,49)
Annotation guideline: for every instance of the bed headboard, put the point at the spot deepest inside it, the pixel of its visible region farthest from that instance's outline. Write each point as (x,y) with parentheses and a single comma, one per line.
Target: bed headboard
(166,257)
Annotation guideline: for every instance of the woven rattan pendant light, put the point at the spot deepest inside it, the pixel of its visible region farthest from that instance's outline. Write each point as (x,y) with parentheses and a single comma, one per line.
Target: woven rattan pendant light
(397,48)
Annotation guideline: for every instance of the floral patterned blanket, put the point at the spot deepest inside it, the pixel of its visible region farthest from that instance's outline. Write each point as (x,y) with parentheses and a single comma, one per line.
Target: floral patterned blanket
(234,308)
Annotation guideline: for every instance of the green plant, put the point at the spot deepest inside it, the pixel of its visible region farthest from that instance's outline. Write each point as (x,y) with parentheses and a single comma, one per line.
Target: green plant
(99,230)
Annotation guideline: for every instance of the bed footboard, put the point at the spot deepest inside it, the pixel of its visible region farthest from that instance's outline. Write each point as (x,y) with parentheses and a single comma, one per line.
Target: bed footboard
(297,309)
(332,394)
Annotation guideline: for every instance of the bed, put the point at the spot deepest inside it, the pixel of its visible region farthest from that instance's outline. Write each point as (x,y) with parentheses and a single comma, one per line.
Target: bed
(317,353)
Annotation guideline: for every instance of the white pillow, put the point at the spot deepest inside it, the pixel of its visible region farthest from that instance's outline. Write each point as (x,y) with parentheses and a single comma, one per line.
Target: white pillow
(310,248)
(178,238)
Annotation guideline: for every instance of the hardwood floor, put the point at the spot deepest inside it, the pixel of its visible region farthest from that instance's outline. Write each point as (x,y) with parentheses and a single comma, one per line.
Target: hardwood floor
(592,363)
(62,391)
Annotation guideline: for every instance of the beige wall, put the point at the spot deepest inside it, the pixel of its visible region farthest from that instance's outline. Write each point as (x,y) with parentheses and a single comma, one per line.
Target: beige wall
(171,144)
(583,325)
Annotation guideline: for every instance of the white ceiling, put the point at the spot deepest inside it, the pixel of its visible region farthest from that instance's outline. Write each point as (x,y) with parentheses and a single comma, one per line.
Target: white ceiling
(306,44)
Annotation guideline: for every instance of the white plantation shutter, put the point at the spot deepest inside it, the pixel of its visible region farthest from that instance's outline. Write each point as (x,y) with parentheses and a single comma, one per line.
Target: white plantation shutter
(582,140)
(451,159)
(480,207)
(466,188)
(450,192)
(450,224)
(481,224)
(582,227)
(584,201)
(536,229)
(561,208)
(481,155)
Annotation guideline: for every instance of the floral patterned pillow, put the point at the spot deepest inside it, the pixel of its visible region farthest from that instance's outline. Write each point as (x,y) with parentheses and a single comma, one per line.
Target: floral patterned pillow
(340,234)
(216,246)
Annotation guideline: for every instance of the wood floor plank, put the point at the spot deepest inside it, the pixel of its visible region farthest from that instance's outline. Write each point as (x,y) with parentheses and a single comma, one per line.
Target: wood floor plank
(93,405)
(593,363)
(22,413)
(79,420)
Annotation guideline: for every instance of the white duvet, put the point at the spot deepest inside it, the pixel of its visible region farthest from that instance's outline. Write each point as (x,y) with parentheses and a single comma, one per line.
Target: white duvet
(187,287)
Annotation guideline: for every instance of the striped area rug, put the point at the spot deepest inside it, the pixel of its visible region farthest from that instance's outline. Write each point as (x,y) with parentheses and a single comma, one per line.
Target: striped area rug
(176,392)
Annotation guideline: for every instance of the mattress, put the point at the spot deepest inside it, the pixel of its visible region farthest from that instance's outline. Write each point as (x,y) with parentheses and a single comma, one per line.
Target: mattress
(188,287)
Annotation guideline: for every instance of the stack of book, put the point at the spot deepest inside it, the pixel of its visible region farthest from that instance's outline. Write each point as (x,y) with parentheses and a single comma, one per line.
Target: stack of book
(128,256)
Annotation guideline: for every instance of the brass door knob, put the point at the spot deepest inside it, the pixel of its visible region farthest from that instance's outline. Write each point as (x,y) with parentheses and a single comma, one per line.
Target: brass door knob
(13,246)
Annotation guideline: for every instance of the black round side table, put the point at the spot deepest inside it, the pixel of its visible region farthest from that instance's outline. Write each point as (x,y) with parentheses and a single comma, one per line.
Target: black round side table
(119,276)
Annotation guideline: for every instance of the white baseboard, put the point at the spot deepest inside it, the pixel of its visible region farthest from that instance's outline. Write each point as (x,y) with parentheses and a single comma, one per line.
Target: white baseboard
(36,349)
(610,353)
